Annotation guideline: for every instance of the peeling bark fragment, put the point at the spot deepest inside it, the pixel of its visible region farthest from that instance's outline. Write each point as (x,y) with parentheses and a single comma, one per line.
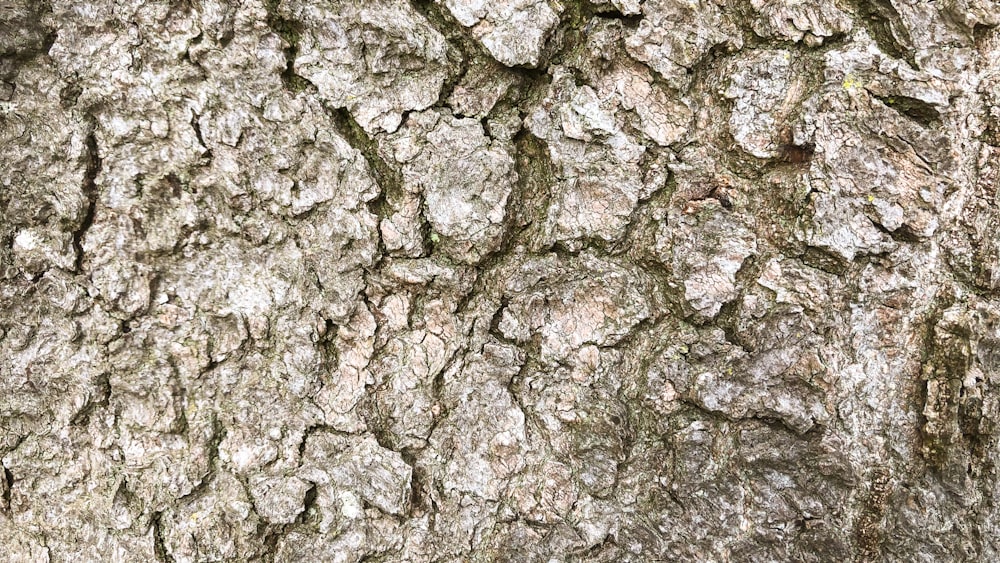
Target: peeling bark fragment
(653,109)
(796,20)
(481,439)
(513,31)
(706,250)
(354,479)
(378,59)
(764,99)
(218,524)
(480,88)
(601,171)
(674,36)
(578,309)
(462,177)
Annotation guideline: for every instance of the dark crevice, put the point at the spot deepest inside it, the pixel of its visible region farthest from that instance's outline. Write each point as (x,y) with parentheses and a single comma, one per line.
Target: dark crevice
(918,110)
(103,384)
(466,51)
(312,429)
(728,318)
(23,35)
(194,42)
(419,498)
(49,40)
(159,546)
(429,239)
(218,435)
(377,557)
(702,67)
(904,233)
(291,32)
(527,206)
(497,317)
(291,80)
(463,50)
(308,502)
(886,27)
(824,260)
(388,179)
(485,122)
(609,13)
(93,168)
(228,29)
(8,484)
(69,94)
(438,394)
(524,214)
(207,153)
(796,154)
(981,32)
(273,533)
(179,393)
(328,343)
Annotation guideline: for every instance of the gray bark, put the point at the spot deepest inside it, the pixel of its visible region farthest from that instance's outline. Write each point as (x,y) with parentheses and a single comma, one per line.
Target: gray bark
(521,280)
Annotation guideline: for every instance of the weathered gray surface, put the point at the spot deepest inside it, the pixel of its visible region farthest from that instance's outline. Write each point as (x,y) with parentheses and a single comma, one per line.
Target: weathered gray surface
(521,280)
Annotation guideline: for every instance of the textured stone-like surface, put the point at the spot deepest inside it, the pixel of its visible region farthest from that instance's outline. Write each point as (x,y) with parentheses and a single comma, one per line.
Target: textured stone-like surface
(610,280)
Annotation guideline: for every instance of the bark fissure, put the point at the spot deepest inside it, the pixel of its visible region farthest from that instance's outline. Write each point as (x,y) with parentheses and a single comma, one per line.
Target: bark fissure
(90,194)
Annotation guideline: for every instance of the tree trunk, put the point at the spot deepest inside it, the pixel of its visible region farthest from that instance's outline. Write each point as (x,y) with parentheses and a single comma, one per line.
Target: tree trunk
(521,280)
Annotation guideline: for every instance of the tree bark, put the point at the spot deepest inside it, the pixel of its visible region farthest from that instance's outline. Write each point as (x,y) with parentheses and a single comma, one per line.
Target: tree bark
(522,280)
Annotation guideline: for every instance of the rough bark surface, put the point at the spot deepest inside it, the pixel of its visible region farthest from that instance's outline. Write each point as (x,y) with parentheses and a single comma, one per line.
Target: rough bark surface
(512,280)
